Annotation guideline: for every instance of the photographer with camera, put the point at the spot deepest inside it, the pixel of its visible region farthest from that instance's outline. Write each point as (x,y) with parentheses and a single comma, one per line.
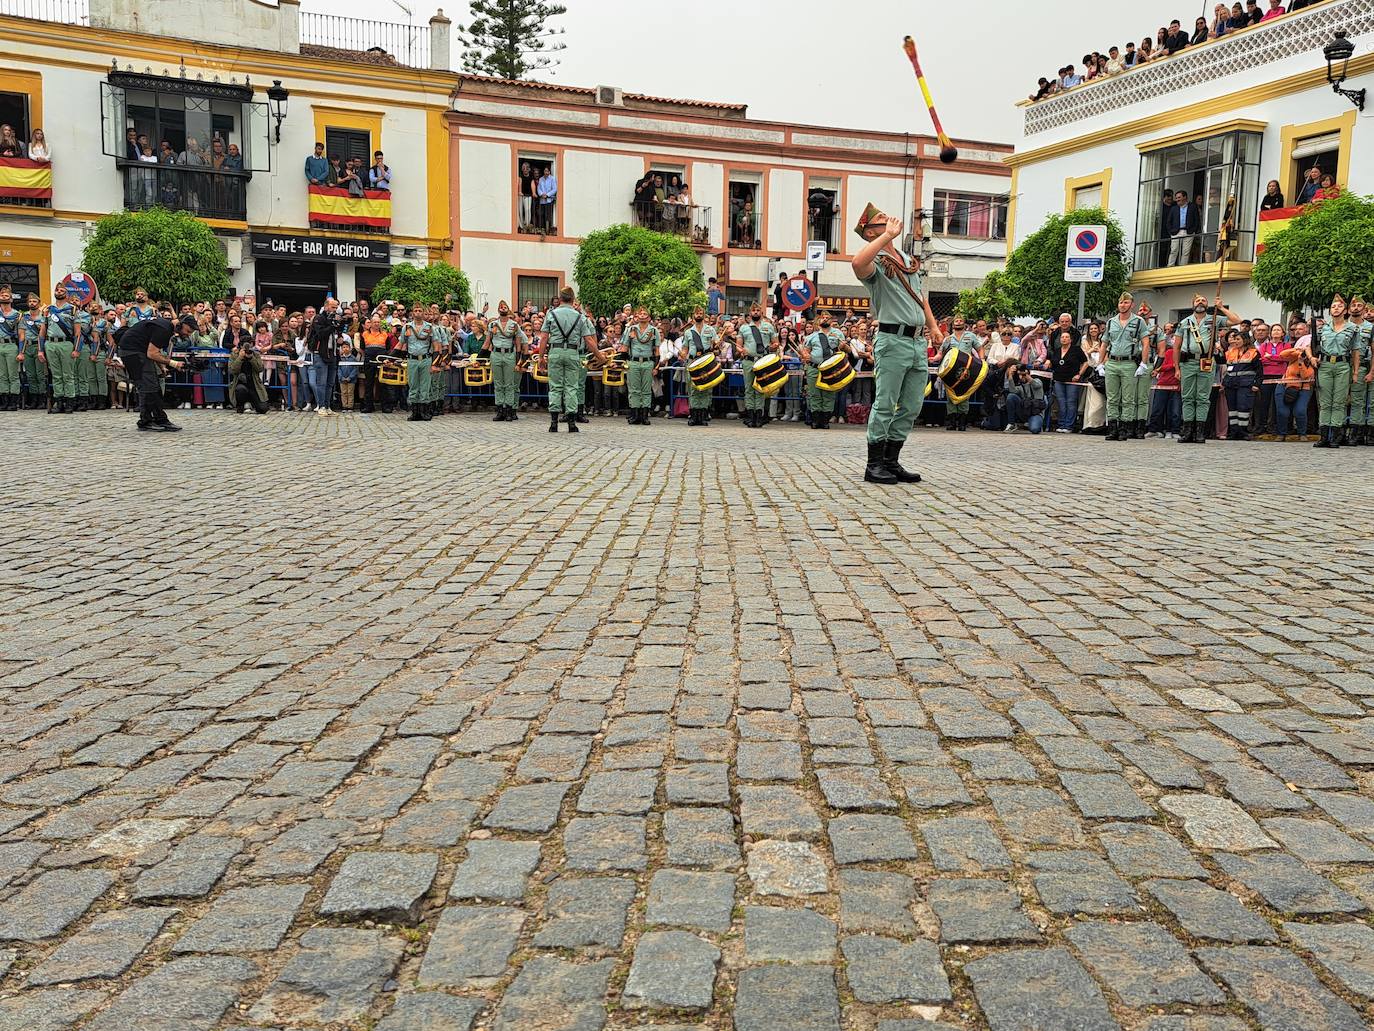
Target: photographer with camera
(246,386)
(1025,399)
(322,343)
(142,349)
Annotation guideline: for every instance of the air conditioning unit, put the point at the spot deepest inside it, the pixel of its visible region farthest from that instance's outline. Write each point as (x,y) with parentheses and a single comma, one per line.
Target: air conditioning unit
(233,251)
(610,96)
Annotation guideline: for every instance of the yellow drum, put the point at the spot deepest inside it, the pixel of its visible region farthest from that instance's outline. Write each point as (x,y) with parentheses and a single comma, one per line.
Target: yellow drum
(770,375)
(835,372)
(962,374)
(477,373)
(540,370)
(392,373)
(614,374)
(706,371)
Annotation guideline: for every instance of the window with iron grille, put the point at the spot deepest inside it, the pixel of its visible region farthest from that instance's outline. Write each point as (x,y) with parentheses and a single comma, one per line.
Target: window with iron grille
(739,298)
(541,291)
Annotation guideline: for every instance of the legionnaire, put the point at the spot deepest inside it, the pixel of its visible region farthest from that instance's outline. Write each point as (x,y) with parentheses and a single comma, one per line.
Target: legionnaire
(83,367)
(562,338)
(416,340)
(58,343)
(504,340)
(1332,352)
(760,339)
(900,368)
(143,349)
(816,351)
(10,335)
(30,354)
(142,309)
(441,354)
(1128,361)
(102,341)
(642,339)
(1361,374)
(962,339)
(1197,346)
(697,340)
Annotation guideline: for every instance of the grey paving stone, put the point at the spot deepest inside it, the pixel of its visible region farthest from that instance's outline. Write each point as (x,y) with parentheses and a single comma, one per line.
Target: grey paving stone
(1105,796)
(333,978)
(387,886)
(854,787)
(768,760)
(375,797)
(671,970)
(300,850)
(247,762)
(587,911)
(50,903)
(629,793)
(190,871)
(245,920)
(883,970)
(554,757)
(1035,816)
(698,784)
(691,898)
(1143,851)
(1217,823)
(1316,841)
(1298,764)
(1287,885)
(1143,964)
(1353,812)
(998,762)
(529,808)
(1031,989)
(1257,789)
(431,824)
(473,780)
(876,900)
(432,1011)
(1076,753)
(58,787)
(1096,892)
(484,736)
(772,934)
(54,1010)
(777,812)
(800,998)
(790,868)
(187,994)
(1206,912)
(1162,765)
(701,837)
(313,779)
(555,995)
(975,911)
(105,948)
(1194,1022)
(964,844)
(601,843)
(469,945)
(495,870)
(1279,989)
(861,838)
(1346,951)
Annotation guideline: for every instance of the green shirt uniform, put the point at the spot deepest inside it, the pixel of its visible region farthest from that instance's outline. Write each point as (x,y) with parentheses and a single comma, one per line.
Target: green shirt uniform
(968,343)
(1360,390)
(1334,348)
(100,334)
(699,341)
(9,355)
(900,369)
(1195,383)
(416,338)
(35,372)
(85,351)
(758,339)
(1125,349)
(59,322)
(642,351)
(567,328)
(822,345)
(505,338)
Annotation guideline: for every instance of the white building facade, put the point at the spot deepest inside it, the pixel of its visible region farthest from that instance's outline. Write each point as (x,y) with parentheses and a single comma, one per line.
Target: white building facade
(1222,118)
(758,191)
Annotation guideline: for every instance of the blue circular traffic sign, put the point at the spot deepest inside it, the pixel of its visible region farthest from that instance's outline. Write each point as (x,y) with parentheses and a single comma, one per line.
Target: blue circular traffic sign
(799,294)
(1086,241)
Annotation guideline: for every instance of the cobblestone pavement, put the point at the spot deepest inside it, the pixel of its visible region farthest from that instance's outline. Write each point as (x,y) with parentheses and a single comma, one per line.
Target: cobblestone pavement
(374,725)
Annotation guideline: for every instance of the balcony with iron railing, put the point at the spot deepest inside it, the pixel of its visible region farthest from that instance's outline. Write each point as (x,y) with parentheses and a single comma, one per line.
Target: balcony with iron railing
(688,222)
(1246,52)
(197,189)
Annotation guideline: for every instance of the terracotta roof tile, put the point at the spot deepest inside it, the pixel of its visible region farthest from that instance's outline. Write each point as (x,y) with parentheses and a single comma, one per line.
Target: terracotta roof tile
(378,57)
(588,91)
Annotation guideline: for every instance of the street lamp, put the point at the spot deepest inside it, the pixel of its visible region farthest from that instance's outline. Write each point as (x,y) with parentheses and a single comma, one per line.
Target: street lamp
(1338,53)
(276,103)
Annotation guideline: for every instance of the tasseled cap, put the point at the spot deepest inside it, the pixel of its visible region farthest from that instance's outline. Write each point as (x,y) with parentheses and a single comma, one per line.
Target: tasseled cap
(871,222)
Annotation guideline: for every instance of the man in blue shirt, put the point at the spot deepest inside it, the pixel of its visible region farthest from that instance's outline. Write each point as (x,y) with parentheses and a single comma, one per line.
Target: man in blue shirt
(317,167)
(546,194)
(715,297)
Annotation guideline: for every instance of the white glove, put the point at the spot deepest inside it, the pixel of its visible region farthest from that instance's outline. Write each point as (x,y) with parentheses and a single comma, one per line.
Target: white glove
(1142,369)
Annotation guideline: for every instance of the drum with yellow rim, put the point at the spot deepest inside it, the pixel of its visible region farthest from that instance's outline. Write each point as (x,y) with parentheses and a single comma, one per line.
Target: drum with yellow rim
(835,373)
(962,373)
(614,373)
(540,369)
(392,373)
(705,371)
(477,373)
(770,375)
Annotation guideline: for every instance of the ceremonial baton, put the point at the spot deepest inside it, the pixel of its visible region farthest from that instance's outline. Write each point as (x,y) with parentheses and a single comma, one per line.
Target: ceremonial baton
(949,153)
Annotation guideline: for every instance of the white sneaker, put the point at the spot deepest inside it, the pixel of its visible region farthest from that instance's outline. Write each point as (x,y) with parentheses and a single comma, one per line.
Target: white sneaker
(308,408)
(1011,428)
(1153,436)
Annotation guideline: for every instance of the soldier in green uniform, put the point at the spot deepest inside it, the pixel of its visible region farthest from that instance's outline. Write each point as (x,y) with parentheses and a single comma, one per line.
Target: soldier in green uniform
(441,349)
(900,309)
(760,339)
(30,356)
(1128,362)
(1332,351)
(10,330)
(1198,335)
(819,347)
(698,339)
(959,339)
(503,340)
(642,339)
(416,338)
(84,366)
(1361,374)
(104,348)
(562,337)
(57,339)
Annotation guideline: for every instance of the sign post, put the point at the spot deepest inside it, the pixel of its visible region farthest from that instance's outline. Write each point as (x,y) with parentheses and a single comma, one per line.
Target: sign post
(1085,259)
(799,294)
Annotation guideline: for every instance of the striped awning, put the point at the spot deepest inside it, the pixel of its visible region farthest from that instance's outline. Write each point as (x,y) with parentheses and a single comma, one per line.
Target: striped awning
(1270,222)
(21,177)
(333,206)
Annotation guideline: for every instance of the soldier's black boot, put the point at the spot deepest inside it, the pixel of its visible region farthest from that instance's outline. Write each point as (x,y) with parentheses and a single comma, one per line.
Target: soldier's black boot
(553,422)
(877,470)
(572,422)
(891,461)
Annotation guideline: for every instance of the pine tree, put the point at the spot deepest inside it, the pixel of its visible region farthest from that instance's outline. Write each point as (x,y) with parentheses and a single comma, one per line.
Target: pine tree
(510,38)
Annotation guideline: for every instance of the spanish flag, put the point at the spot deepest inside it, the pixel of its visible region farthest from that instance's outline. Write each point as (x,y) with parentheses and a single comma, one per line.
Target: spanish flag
(331,205)
(1270,222)
(20,177)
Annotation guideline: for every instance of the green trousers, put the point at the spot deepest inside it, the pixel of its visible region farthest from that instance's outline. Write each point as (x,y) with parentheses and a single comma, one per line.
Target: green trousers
(900,372)
(503,378)
(818,401)
(1359,401)
(35,372)
(417,381)
(85,373)
(699,400)
(436,386)
(579,376)
(1143,386)
(639,378)
(102,378)
(61,367)
(1333,392)
(1121,379)
(9,367)
(565,369)
(753,400)
(1195,389)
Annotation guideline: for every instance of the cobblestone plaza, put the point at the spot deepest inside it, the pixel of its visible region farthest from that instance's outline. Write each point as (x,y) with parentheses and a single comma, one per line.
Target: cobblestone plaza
(358,724)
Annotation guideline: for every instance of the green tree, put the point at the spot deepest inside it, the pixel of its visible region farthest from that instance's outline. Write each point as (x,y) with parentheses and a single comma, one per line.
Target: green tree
(1033,283)
(510,38)
(440,284)
(172,255)
(614,265)
(1328,249)
(672,297)
(988,300)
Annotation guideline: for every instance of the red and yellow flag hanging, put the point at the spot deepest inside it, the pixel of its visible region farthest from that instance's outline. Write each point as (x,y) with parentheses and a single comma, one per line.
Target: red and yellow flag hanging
(331,205)
(20,177)
(1270,222)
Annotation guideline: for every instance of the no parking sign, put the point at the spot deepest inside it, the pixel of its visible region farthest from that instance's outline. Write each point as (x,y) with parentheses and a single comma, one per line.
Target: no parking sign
(1085,257)
(799,294)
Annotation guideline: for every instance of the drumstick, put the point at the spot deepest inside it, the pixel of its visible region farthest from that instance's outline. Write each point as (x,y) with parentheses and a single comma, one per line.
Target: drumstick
(949,153)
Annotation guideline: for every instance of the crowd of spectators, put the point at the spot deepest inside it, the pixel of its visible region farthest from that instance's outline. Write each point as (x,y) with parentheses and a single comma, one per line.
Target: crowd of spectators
(347,173)
(1166,42)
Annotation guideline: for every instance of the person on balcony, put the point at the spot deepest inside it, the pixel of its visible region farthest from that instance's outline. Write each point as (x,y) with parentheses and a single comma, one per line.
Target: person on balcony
(1176,39)
(131,148)
(526,181)
(1310,186)
(317,167)
(379,175)
(349,179)
(546,191)
(1185,223)
(645,206)
(234,161)
(10,145)
(1273,196)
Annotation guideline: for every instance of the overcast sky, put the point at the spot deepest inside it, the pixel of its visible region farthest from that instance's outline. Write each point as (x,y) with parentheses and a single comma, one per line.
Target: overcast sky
(832,62)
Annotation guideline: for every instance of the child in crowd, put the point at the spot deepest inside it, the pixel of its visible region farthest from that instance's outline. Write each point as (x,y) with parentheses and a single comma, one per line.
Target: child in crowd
(348,374)
(1166,402)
